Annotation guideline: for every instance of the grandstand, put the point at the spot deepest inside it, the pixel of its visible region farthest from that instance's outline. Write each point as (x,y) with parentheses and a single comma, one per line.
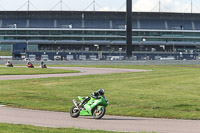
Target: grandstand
(99,35)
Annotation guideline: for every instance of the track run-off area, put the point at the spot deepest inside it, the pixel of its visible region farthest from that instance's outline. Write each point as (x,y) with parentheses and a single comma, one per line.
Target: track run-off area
(114,123)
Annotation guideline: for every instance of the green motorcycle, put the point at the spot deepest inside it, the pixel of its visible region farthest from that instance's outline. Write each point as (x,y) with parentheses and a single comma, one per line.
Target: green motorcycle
(90,107)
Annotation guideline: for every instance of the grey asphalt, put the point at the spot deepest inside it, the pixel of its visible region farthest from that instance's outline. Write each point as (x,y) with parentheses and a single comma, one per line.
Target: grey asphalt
(114,123)
(83,71)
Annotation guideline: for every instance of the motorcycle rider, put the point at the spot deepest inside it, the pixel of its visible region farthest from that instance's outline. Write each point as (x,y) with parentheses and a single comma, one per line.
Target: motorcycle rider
(29,64)
(95,95)
(98,93)
(42,65)
(9,63)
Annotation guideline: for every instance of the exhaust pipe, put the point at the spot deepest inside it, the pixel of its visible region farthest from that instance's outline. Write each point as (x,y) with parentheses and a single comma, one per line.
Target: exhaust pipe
(75,103)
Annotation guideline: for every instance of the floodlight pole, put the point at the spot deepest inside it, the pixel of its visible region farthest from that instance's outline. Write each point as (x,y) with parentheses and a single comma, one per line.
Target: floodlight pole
(61,2)
(191,6)
(128,29)
(94,5)
(159,6)
(28,5)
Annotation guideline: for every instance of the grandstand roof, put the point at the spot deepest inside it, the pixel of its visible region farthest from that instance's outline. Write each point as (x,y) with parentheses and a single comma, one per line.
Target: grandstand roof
(98,20)
(98,14)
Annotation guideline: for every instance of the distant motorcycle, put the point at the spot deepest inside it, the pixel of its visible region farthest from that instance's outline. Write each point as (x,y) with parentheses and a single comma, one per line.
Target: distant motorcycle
(29,65)
(42,65)
(94,107)
(9,64)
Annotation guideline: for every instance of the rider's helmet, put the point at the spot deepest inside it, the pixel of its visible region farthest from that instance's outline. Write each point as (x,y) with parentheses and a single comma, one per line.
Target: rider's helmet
(101,91)
(42,62)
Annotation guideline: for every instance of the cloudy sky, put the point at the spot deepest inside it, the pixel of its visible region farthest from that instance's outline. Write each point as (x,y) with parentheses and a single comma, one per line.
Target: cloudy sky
(102,5)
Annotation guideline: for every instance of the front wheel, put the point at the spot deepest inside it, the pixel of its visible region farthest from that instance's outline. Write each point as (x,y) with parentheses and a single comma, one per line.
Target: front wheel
(74,112)
(98,114)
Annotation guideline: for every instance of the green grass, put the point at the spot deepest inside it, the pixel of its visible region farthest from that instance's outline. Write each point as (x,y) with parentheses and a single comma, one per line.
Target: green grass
(30,71)
(9,128)
(165,92)
(5,53)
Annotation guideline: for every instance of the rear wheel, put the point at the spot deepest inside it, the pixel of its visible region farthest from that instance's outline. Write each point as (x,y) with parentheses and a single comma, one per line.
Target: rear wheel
(98,114)
(74,112)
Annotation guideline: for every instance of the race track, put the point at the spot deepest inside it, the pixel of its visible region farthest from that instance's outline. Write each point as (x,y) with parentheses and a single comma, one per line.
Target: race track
(115,123)
(83,71)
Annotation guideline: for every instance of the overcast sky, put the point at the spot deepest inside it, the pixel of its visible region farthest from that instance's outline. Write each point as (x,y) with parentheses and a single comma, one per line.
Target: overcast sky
(102,5)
